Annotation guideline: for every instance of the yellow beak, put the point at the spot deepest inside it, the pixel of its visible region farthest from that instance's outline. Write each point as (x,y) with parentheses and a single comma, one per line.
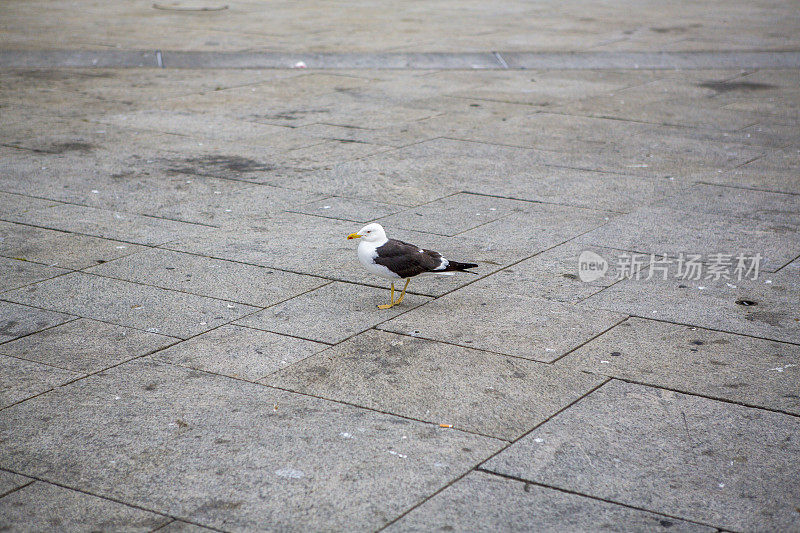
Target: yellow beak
(354,236)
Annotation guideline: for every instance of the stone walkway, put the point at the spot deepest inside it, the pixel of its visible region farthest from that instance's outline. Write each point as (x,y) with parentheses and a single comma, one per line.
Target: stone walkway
(188,342)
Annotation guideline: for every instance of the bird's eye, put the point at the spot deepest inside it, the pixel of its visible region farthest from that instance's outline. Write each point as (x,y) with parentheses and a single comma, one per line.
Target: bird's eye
(369,231)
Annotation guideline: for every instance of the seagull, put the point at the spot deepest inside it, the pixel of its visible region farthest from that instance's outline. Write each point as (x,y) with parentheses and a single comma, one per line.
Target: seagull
(393,259)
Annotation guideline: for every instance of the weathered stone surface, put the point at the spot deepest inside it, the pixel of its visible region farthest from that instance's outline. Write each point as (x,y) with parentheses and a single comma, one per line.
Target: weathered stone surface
(472,390)
(485,502)
(660,450)
(240,352)
(45,507)
(695,360)
(20,320)
(17,273)
(522,326)
(129,304)
(665,231)
(340,310)
(23,379)
(216,451)
(348,209)
(206,276)
(9,482)
(712,304)
(85,345)
(57,248)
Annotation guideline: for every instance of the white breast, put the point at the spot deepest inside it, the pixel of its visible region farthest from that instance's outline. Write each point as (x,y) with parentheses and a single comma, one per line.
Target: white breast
(367,252)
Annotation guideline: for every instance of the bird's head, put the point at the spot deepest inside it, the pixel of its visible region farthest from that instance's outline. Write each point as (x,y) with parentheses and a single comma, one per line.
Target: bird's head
(370,233)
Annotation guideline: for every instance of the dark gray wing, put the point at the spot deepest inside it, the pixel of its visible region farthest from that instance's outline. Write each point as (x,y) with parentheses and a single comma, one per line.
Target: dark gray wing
(407,260)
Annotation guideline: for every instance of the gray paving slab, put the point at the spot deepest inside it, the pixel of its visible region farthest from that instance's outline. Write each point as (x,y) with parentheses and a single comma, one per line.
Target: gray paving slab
(20,320)
(476,391)
(17,205)
(179,526)
(18,273)
(348,209)
(153,309)
(85,345)
(555,274)
(108,224)
(77,58)
(670,232)
(775,180)
(24,379)
(9,482)
(59,248)
(454,214)
(712,304)
(486,502)
(777,209)
(718,463)
(45,507)
(240,352)
(521,326)
(740,369)
(206,276)
(340,310)
(653,60)
(215,451)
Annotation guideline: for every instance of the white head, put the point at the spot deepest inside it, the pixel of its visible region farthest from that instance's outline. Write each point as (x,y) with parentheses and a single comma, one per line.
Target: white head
(370,233)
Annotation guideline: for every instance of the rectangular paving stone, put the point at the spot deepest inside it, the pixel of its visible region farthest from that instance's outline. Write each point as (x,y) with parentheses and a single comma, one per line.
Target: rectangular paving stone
(718,463)
(239,352)
(741,369)
(773,208)
(669,232)
(476,391)
(45,507)
(348,209)
(206,276)
(215,451)
(85,345)
(20,320)
(129,304)
(339,311)
(486,502)
(454,214)
(522,326)
(555,274)
(712,304)
(109,224)
(9,482)
(23,379)
(58,248)
(17,273)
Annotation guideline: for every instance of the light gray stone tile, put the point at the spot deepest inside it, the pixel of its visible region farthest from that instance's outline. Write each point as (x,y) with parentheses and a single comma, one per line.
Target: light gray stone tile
(454,214)
(339,311)
(240,352)
(718,463)
(712,304)
(17,273)
(486,502)
(215,451)
(45,507)
(522,326)
(179,526)
(669,232)
(85,345)
(22,379)
(206,276)
(20,320)
(129,304)
(472,390)
(779,210)
(695,360)
(349,209)
(15,205)
(555,274)
(9,482)
(58,248)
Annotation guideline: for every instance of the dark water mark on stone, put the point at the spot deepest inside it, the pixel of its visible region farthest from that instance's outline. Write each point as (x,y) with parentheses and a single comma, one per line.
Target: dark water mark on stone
(728,86)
